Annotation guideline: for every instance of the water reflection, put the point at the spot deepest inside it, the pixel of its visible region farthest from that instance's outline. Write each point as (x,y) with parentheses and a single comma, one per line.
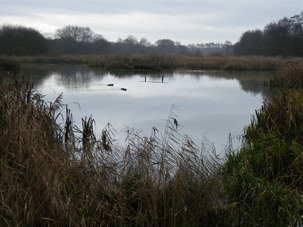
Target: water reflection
(254,82)
(75,76)
(209,104)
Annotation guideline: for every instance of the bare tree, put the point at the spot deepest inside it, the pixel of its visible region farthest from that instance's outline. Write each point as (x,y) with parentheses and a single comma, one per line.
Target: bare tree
(75,33)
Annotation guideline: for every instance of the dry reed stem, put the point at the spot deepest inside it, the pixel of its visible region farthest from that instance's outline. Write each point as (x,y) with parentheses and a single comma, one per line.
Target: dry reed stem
(58,175)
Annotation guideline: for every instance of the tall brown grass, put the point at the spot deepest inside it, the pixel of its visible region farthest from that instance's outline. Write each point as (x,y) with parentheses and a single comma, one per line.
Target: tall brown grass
(165,62)
(290,76)
(61,175)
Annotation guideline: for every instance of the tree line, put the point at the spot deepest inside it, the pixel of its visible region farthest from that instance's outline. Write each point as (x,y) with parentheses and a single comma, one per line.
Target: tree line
(284,37)
(18,40)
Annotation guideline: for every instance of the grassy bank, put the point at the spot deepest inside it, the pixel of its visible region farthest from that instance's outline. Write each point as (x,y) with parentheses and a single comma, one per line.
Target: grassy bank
(165,62)
(264,179)
(63,175)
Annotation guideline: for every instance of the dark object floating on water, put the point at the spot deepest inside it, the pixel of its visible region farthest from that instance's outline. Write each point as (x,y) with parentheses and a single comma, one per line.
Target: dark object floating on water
(110,85)
(123,89)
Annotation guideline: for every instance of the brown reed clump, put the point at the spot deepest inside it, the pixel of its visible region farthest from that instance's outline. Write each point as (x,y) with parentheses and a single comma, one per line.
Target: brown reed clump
(60,175)
(153,62)
(289,76)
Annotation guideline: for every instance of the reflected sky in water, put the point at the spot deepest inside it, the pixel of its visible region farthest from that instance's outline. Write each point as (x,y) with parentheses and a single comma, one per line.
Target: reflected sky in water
(208,103)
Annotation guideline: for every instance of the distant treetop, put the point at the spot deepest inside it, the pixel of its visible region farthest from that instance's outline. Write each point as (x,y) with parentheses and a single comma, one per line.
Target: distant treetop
(284,38)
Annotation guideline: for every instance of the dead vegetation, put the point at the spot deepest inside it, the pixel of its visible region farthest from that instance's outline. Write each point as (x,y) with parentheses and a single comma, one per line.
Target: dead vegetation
(61,175)
(164,62)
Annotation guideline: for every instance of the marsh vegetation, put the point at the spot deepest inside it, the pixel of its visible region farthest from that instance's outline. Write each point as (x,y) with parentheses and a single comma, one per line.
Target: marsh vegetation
(61,174)
(264,179)
(141,63)
(58,173)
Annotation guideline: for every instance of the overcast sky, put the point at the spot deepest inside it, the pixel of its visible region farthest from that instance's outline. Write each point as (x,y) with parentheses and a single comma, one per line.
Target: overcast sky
(186,21)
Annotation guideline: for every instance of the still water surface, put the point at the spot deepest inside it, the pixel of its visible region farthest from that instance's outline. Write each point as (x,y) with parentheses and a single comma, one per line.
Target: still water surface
(209,104)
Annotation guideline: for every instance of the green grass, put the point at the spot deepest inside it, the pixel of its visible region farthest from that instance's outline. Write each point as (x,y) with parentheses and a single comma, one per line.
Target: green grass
(264,179)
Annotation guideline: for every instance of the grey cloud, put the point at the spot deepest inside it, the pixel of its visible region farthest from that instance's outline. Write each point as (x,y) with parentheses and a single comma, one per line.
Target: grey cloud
(191,21)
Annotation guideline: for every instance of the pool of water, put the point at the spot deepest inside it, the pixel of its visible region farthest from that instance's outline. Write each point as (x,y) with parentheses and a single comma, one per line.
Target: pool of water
(212,105)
